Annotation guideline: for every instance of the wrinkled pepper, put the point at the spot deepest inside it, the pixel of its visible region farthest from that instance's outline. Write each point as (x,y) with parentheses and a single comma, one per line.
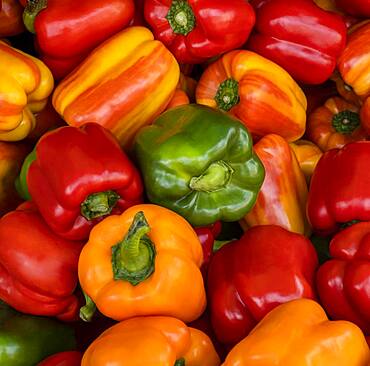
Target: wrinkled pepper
(335,124)
(11,22)
(196,30)
(68,358)
(21,181)
(66,32)
(199,162)
(38,269)
(299,333)
(79,176)
(343,281)
(25,84)
(339,190)
(151,341)
(256,91)
(249,277)
(122,85)
(26,340)
(358,8)
(140,263)
(300,37)
(283,195)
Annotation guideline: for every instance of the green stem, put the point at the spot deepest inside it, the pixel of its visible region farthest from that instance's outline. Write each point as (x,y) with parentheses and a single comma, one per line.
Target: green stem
(30,12)
(216,177)
(180,362)
(133,257)
(99,204)
(181,17)
(346,122)
(349,223)
(87,311)
(227,94)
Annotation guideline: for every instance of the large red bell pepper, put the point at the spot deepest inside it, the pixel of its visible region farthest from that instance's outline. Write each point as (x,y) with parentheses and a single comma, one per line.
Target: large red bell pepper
(68,358)
(249,277)
(38,269)
(339,190)
(196,30)
(359,8)
(299,36)
(66,30)
(79,176)
(343,283)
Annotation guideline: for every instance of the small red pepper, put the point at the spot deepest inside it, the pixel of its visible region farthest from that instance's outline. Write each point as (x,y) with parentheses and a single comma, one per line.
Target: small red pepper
(69,358)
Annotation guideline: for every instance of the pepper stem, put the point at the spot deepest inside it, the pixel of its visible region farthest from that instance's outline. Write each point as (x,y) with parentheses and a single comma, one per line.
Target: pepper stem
(99,204)
(216,177)
(30,12)
(181,17)
(227,94)
(180,362)
(349,223)
(346,122)
(133,257)
(87,311)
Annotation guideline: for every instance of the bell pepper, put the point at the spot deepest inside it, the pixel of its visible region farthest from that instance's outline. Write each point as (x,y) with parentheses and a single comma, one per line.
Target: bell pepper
(343,281)
(283,195)
(199,162)
(38,269)
(68,358)
(308,155)
(299,333)
(11,22)
(158,341)
(179,98)
(339,189)
(79,176)
(139,263)
(123,85)
(196,30)
(249,277)
(21,181)
(26,340)
(300,37)
(335,124)
(359,8)
(257,91)
(25,85)
(365,115)
(67,32)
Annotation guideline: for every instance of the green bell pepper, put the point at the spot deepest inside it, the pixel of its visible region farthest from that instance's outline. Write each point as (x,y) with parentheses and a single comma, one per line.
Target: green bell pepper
(200,163)
(26,340)
(21,181)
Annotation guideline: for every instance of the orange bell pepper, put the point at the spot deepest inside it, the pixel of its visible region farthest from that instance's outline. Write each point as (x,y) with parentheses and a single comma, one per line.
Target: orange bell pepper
(257,91)
(298,333)
(122,85)
(335,124)
(283,196)
(143,262)
(151,341)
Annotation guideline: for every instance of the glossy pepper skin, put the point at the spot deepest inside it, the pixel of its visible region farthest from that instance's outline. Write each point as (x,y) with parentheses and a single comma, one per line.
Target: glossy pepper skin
(138,263)
(123,85)
(67,32)
(339,188)
(343,281)
(299,333)
(25,84)
(300,37)
(26,340)
(79,176)
(249,277)
(38,269)
(200,163)
(256,91)
(195,31)
(283,195)
(151,341)
(11,22)
(358,8)
(68,358)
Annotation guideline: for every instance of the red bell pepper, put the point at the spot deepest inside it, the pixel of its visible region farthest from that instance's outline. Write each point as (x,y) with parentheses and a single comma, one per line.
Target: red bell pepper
(196,30)
(359,8)
(299,36)
(79,176)
(66,30)
(339,190)
(69,358)
(249,277)
(38,269)
(343,283)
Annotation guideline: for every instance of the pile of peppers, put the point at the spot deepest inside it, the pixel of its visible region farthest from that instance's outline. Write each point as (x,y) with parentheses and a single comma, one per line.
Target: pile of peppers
(185,183)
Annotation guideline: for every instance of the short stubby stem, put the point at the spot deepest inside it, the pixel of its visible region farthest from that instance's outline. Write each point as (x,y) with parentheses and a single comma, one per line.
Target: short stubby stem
(133,258)
(227,95)
(346,122)
(30,12)
(181,17)
(99,204)
(180,362)
(216,177)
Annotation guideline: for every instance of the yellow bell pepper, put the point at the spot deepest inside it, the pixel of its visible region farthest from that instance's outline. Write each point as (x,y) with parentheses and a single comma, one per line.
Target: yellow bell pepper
(25,85)
(298,333)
